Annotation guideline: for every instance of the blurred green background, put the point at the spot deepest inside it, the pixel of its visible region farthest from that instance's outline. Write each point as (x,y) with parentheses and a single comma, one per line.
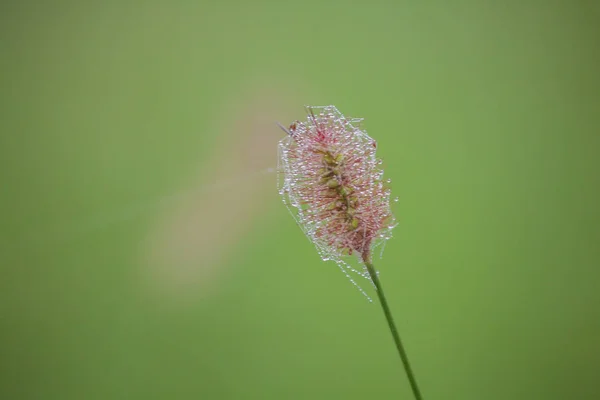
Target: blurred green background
(144,253)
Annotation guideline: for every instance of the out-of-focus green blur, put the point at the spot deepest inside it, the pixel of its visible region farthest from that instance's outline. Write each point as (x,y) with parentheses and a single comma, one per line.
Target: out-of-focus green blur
(144,253)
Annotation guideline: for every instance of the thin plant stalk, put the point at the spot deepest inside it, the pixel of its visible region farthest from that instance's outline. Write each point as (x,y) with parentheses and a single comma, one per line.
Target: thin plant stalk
(394,331)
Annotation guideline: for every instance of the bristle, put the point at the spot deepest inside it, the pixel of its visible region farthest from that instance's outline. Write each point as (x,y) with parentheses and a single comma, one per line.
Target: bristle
(283,128)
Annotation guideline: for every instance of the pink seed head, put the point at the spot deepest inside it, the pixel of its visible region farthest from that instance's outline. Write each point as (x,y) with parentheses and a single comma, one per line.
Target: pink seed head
(332,183)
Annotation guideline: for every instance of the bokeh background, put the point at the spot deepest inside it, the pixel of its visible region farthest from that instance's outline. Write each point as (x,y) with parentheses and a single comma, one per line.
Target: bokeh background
(145,254)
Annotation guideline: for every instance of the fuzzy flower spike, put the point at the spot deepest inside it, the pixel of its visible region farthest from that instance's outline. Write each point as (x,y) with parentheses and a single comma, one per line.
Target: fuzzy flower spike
(332,184)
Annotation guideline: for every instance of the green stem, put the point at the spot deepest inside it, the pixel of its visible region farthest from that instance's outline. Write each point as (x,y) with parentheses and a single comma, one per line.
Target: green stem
(390,321)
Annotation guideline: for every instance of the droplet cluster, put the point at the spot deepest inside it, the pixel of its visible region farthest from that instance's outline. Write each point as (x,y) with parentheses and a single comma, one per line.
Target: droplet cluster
(332,183)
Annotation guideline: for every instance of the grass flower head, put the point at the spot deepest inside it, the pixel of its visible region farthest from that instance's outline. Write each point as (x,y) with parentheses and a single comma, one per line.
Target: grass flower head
(333,185)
